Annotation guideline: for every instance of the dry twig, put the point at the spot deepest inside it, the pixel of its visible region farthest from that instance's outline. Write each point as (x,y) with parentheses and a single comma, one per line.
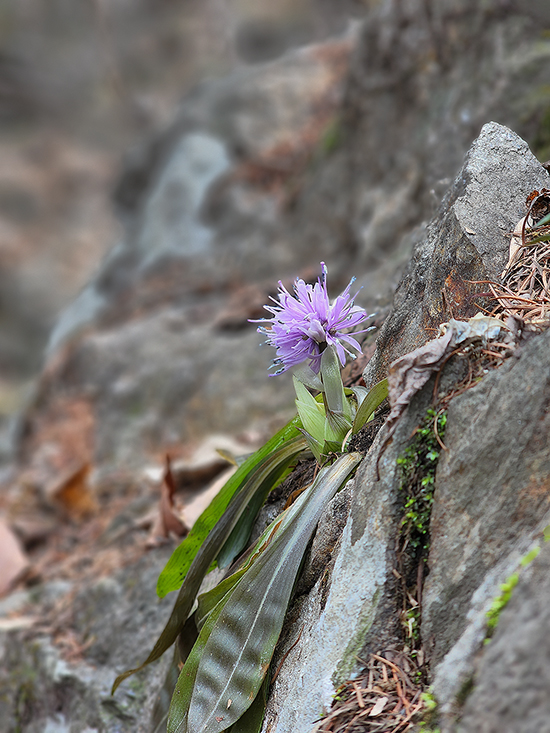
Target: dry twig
(384,700)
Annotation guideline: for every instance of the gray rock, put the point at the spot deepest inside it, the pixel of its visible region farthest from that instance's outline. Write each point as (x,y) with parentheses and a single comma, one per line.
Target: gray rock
(467,240)
(490,504)
(146,345)
(267,172)
(332,622)
(117,619)
(517,698)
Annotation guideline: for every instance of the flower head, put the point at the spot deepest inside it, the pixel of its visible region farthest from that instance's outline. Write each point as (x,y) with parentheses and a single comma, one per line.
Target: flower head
(304,324)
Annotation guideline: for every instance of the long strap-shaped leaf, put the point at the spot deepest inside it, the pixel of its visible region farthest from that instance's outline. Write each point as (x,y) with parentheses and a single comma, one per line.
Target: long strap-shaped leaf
(240,645)
(268,470)
(206,602)
(209,608)
(238,539)
(253,718)
(177,715)
(180,561)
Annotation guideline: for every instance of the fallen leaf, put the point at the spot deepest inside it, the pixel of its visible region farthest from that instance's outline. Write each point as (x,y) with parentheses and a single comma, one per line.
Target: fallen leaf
(408,374)
(538,205)
(167,521)
(207,460)
(485,328)
(378,706)
(73,494)
(516,242)
(13,562)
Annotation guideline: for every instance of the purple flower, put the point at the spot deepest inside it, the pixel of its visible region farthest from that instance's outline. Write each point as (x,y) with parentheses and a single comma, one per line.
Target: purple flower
(304,324)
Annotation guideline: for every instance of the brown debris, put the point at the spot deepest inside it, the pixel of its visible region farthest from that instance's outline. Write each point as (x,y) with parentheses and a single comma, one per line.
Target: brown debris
(59,443)
(386,698)
(525,288)
(408,374)
(167,521)
(524,291)
(73,495)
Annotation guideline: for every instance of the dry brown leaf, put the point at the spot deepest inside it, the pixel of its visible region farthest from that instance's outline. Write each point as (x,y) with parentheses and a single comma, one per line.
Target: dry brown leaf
(408,374)
(74,495)
(13,561)
(538,204)
(167,522)
(206,461)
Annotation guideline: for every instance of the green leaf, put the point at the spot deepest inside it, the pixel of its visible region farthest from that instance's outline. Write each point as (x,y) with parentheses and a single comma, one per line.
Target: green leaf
(311,412)
(179,563)
(208,612)
(252,720)
(314,446)
(239,647)
(238,539)
(321,437)
(209,600)
(537,240)
(374,399)
(360,393)
(182,649)
(338,424)
(336,401)
(305,374)
(179,707)
(270,466)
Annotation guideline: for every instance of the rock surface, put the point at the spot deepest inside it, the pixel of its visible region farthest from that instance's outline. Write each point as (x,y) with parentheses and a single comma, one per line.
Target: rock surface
(49,685)
(154,351)
(518,698)
(330,153)
(467,242)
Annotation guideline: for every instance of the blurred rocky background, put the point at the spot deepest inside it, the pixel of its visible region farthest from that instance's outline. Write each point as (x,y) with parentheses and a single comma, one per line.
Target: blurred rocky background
(165,163)
(80,85)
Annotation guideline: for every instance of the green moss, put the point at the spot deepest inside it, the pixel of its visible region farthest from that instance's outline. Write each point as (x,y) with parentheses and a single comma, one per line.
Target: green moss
(507,588)
(429,712)
(499,603)
(412,620)
(418,465)
(331,139)
(466,689)
(356,643)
